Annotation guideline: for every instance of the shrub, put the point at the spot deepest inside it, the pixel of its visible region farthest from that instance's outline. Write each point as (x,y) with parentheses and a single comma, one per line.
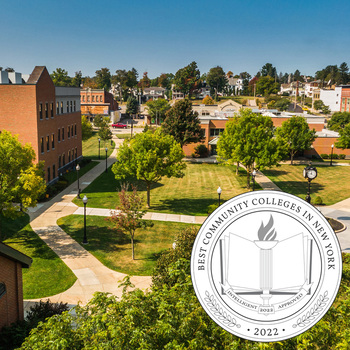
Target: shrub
(207,100)
(201,151)
(318,201)
(244,101)
(334,156)
(324,156)
(341,156)
(42,310)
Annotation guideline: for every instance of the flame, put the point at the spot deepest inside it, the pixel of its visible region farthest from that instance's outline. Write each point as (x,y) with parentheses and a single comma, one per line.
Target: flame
(267,233)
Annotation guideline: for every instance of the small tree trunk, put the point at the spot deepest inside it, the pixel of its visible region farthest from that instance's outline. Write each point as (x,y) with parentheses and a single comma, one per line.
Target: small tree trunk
(148,195)
(237,167)
(132,247)
(291,158)
(248,178)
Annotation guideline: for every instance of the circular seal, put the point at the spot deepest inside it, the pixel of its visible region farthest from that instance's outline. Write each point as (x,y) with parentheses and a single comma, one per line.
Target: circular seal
(266,266)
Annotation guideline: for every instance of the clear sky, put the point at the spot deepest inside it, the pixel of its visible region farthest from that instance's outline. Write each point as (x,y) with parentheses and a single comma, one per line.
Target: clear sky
(163,36)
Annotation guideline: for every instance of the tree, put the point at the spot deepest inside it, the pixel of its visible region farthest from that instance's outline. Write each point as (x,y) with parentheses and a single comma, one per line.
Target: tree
(282,104)
(217,80)
(165,80)
(249,139)
(182,123)
(297,76)
(319,105)
(268,69)
(21,181)
(103,79)
(86,128)
(158,108)
(60,77)
(344,73)
(266,85)
(296,134)
(78,79)
(344,139)
(207,100)
(128,217)
(149,157)
(100,121)
(187,79)
(105,132)
(132,106)
(339,120)
(145,82)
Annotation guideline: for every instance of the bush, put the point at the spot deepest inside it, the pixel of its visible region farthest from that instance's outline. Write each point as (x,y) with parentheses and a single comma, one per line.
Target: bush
(213,207)
(324,156)
(244,101)
(42,310)
(201,151)
(318,201)
(333,156)
(341,156)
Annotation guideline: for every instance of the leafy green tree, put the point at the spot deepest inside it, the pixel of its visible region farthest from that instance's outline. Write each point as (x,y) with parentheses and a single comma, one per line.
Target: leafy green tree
(296,134)
(249,139)
(128,217)
(103,78)
(132,106)
(158,108)
(149,157)
(282,104)
(207,100)
(344,73)
(78,79)
(344,139)
(320,106)
(86,128)
(21,181)
(217,80)
(183,123)
(266,85)
(268,70)
(60,77)
(99,121)
(105,132)
(187,79)
(165,80)
(339,120)
(297,76)
(145,82)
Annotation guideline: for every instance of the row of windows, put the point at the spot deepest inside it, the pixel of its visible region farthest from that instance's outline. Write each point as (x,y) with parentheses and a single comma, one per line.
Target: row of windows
(72,155)
(92,98)
(71,106)
(71,131)
(216,132)
(47,108)
(48,111)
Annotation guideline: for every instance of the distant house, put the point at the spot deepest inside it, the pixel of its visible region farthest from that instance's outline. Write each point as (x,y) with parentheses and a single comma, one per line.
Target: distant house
(331,98)
(11,289)
(311,86)
(154,93)
(176,94)
(292,89)
(203,91)
(235,84)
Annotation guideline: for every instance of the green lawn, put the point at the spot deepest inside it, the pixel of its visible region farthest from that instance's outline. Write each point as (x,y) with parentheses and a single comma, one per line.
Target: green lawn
(123,136)
(90,147)
(331,184)
(113,248)
(190,195)
(71,176)
(48,275)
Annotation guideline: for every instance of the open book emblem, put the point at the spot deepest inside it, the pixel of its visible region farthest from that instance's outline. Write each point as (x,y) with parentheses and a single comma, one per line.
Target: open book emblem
(266,266)
(274,267)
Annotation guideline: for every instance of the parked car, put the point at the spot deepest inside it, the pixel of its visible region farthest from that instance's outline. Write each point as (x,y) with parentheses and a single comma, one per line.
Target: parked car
(119,125)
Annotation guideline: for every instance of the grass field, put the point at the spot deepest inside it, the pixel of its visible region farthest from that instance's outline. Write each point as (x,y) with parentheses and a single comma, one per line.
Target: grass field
(190,195)
(113,248)
(90,147)
(332,183)
(48,275)
(72,175)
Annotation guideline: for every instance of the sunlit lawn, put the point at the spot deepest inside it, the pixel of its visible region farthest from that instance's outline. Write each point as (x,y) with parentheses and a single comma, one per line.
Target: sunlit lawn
(90,147)
(113,248)
(48,274)
(190,195)
(332,183)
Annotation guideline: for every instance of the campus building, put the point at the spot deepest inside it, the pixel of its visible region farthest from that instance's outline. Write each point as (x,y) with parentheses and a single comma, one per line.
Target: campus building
(43,115)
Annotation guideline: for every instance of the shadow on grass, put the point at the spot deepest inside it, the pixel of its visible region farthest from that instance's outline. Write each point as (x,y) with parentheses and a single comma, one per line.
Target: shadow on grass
(298,188)
(275,172)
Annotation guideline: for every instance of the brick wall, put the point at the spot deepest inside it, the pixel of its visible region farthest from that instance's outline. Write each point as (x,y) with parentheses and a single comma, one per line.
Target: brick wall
(11,304)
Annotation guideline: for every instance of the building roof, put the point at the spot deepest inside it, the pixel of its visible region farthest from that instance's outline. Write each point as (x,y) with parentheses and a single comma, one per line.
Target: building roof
(15,255)
(36,74)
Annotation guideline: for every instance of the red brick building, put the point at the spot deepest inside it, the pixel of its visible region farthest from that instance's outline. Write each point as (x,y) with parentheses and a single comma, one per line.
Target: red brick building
(45,116)
(345,99)
(11,289)
(97,101)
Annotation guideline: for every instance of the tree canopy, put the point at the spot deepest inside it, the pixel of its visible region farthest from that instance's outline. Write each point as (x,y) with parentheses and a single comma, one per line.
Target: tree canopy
(132,106)
(187,79)
(266,85)
(344,139)
(339,120)
(268,69)
(296,135)
(183,123)
(60,77)
(217,79)
(103,78)
(249,140)
(86,128)
(158,108)
(149,157)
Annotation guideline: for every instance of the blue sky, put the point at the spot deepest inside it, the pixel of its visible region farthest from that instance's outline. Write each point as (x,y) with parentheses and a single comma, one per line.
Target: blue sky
(161,37)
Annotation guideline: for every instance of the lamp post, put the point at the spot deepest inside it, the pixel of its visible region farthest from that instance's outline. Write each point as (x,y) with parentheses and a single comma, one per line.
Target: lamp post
(77,169)
(310,173)
(253,177)
(99,142)
(219,190)
(85,200)
(106,149)
(331,163)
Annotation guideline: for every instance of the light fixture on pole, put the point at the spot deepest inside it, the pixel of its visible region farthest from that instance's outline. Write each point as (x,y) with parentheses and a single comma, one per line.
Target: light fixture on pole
(310,173)
(219,190)
(85,200)
(106,149)
(331,163)
(99,142)
(77,168)
(253,177)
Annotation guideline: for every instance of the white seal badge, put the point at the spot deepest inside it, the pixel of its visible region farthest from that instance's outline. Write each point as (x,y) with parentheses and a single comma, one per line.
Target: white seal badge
(266,266)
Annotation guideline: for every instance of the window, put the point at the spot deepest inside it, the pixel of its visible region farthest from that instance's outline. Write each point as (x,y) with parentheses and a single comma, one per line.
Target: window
(64,159)
(48,174)
(75,129)
(71,106)
(53,141)
(42,145)
(68,132)
(41,111)
(73,153)
(62,134)
(71,130)
(216,132)
(54,171)
(46,110)
(75,106)
(88,98)
(67,110)
(47,143)
(59,161)
(76,152)
(61,107)
(68,156)
(59,135)
(84,98)
(57,108)
(93,99)
(101,98)
(2,290)
(51,109)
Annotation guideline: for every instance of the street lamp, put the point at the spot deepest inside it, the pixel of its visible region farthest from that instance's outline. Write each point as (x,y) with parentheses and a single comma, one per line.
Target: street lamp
(77,169)
(253,177)
(331,155)
(219,190)
(106,149)
(99,141)
(310,173)
(85,200)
